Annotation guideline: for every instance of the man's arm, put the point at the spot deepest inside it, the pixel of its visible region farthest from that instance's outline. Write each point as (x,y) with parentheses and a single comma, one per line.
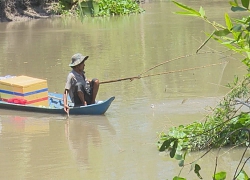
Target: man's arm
(65,101)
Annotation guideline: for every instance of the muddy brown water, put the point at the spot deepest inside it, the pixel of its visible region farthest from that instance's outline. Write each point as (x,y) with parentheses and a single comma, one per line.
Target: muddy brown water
(122,143)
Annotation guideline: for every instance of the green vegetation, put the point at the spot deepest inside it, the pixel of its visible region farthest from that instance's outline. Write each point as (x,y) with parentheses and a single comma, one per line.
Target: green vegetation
(227,124)
(224,119)
(83,8)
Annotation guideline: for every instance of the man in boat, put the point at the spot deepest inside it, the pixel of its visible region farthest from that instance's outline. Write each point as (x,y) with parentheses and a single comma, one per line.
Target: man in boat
(82,92)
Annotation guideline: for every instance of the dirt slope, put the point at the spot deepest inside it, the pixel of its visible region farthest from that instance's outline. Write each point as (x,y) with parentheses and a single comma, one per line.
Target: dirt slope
(21,10)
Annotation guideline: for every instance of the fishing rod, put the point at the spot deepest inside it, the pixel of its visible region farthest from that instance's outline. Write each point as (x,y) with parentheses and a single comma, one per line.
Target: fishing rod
(185,56)
(167,72)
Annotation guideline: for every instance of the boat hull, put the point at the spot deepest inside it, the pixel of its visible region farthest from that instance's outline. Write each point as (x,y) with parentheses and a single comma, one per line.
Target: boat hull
(56,107)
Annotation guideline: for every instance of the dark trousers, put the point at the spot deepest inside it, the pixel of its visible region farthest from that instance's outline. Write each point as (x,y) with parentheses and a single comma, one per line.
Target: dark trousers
(87,90)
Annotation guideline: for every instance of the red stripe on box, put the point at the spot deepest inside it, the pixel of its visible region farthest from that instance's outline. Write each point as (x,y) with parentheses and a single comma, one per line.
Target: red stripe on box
(31,102)
(37,100)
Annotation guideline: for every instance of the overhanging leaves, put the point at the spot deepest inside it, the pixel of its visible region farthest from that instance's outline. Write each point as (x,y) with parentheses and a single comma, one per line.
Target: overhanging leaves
(228,21)
(245,3)
(181,163)
(223,32)
(186,13)
(236,37)
(174,148)
(237,28)
(178,157)
(238,9)
(233,3)
(165,145)
(202,12)
(220,176)
(197,169)
(186,8)
(243,176)
(178,178)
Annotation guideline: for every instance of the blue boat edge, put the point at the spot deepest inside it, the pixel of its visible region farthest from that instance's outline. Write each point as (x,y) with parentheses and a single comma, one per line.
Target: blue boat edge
(93,109)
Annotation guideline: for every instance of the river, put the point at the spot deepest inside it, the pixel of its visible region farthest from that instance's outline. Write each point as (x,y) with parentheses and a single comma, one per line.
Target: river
(122,144)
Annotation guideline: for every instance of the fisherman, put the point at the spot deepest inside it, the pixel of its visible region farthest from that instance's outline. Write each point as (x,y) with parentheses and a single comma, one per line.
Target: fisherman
(82,92)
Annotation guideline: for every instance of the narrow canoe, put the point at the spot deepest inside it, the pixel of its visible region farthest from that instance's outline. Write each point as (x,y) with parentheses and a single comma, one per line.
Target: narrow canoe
(56,106)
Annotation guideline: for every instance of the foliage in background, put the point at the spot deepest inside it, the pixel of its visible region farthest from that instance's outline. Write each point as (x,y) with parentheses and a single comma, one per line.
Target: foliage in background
(118,7)
(83,8)
(227,124)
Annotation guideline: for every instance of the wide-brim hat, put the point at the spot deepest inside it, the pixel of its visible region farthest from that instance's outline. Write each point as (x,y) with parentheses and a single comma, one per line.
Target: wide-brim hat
(77,59)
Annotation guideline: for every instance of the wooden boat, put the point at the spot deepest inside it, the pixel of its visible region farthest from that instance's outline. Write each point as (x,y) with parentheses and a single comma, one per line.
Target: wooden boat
(56,106)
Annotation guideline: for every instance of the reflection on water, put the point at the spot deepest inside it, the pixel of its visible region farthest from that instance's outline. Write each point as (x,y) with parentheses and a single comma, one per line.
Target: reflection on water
(27,143)
(23,125)
(81,134)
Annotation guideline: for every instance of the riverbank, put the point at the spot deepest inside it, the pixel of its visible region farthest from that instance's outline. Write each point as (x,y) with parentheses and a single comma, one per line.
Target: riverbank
(24,11)
(13,10)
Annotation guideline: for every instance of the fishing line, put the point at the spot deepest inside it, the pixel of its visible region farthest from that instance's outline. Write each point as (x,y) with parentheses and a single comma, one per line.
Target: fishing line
(157,74)
(185,56)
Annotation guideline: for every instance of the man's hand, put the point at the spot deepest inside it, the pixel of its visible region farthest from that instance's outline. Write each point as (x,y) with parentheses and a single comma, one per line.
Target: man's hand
(66,109)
